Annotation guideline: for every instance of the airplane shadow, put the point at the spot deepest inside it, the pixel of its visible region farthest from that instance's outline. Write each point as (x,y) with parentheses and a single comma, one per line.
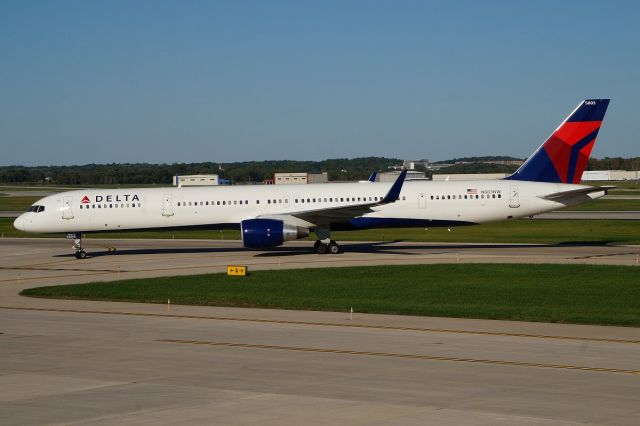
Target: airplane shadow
(390,247)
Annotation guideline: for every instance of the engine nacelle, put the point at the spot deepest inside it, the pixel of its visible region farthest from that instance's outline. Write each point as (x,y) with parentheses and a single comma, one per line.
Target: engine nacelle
(261,233)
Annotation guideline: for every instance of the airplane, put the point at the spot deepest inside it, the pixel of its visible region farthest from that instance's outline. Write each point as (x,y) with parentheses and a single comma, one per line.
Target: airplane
(269,215)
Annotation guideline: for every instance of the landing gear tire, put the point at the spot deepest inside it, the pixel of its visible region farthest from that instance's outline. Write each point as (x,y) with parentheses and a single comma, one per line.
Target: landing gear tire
(334,248)
(321,248)
(316,245)
(81,254)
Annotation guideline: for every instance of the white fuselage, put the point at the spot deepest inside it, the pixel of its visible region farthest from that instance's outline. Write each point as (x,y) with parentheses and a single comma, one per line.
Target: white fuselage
(421,203)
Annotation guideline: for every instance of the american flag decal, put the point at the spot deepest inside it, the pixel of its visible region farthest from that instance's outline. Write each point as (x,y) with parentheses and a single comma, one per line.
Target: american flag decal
(472,191)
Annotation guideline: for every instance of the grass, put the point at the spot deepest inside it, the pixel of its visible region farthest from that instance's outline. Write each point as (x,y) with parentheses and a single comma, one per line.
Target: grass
(16,204)
(626,184)
(607,205)
(518,231)
(587,294)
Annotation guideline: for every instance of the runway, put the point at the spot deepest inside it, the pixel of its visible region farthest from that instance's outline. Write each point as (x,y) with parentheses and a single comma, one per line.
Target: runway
(83,362)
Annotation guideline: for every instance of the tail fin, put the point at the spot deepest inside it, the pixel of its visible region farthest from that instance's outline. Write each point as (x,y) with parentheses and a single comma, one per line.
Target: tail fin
(563,157)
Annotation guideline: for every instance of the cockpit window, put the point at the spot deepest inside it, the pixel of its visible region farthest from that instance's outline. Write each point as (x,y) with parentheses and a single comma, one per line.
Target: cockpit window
(36,209)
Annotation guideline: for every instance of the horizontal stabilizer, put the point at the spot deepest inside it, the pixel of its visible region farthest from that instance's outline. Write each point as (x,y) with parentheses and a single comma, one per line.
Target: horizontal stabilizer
(574,192)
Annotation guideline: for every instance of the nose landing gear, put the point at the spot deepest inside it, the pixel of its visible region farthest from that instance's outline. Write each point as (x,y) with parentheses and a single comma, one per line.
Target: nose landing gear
(77,245)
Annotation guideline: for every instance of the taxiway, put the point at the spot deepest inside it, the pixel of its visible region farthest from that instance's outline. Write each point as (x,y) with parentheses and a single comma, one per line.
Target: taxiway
(81,362)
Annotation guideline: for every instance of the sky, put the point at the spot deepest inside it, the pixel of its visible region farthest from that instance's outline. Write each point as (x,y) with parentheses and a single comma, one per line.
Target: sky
(188,81)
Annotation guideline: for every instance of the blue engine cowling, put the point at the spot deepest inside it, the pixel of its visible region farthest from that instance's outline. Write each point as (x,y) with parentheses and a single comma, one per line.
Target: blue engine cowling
(261,233)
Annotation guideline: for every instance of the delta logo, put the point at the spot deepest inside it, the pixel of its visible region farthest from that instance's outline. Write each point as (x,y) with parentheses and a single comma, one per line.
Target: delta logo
(111,198)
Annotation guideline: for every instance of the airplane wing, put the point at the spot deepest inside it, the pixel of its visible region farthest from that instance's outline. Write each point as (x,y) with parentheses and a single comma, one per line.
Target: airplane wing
(344,213)
(575,192)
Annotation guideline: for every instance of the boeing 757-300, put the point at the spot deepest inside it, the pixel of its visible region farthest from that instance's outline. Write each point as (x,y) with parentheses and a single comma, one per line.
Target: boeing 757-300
(268,215)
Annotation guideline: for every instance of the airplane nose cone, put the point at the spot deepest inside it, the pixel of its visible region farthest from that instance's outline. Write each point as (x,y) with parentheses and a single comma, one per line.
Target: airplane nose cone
(19,223)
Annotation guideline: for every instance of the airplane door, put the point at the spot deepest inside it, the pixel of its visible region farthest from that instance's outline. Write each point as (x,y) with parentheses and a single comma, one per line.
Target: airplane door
(167,205)
(422,201)
(67,207)
(514,198)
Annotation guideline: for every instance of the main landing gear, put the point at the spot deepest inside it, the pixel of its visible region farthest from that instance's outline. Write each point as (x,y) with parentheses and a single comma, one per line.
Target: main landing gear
(325,244)
(77,245)
(323,248)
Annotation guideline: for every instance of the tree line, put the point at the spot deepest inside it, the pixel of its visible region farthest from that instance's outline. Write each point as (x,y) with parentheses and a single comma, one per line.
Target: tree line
(162,174)
(343,169)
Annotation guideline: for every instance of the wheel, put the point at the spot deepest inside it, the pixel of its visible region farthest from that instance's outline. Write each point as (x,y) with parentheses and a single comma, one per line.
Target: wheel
(316,245)
(322,249)
(334,248)
(81,254)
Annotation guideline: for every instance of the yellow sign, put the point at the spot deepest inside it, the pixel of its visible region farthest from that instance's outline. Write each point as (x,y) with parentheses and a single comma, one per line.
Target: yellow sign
(236,270)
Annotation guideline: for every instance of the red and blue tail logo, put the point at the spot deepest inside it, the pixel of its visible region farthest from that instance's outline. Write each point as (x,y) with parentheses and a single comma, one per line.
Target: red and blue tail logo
(563,157)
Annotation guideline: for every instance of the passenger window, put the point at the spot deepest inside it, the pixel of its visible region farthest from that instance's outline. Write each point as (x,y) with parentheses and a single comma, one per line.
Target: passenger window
(224,203)
(499,196)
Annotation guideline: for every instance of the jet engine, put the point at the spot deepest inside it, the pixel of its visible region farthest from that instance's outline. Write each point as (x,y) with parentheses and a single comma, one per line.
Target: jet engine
(262,233)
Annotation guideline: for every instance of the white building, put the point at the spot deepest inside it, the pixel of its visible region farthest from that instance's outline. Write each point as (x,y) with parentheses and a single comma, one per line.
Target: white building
(412,164)
(300,178)
(196,180)
(469,176)
(392,176)
(597,175)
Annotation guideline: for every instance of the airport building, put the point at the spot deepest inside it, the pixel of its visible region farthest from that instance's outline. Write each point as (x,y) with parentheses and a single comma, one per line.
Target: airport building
(597,175)
(300,178)
(392,176)
(196,180)
(412,164)
(469,176)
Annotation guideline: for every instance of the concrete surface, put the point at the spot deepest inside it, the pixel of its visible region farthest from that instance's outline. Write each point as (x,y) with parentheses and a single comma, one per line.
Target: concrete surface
(83,362)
